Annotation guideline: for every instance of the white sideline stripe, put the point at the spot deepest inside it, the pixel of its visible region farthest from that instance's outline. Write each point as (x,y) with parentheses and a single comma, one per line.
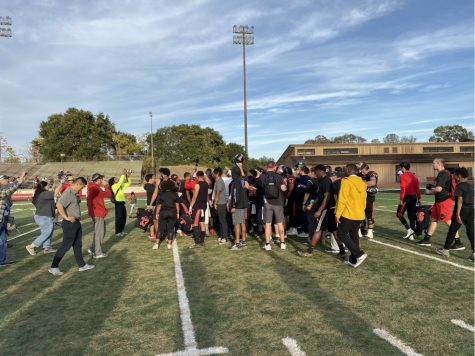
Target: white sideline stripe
(25,233)
(463,324)
(191,347)
(383,334)
(293,347)
(423,255)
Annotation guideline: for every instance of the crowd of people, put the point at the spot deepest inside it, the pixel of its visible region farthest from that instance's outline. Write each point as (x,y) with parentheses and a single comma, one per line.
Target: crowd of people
(270,202)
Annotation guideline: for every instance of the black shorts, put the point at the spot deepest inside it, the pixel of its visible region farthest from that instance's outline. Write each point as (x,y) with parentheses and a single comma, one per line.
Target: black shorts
(330,224)
(198,216)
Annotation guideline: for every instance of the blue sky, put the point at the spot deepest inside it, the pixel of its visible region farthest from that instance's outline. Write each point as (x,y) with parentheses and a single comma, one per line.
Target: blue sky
(317,67)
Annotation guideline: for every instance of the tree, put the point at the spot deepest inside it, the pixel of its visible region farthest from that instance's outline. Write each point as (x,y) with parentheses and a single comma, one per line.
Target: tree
(3,146)
(408,139)
(11,156)
(310,142)
(322,139)
(375,140)
(126,144)
(349,138)
(78,134)
(391,138)
(450,133)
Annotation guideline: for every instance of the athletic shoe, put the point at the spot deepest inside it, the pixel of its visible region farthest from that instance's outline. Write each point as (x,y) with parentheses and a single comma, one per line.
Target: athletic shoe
(118,235)
(267,247)
(243,243)
(169,245)
(55,271)
(360,235)
(31,250)
(442,251)
(89,251)
(330,250)
(471,257)
(292,231)
(303,234)
(424,242)
(359,261)
(236,247)
(155,247)
(283,246)
(195,246)
(304,254)
(86,267)
(457,246)
(102,255)
(277,236)
(123,233)
(212,232)
(7,263)
(49,250)
(370,235)
(410,233)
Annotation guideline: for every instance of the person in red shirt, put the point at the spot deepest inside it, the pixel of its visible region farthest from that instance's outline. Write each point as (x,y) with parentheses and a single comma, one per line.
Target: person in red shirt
(410,196)
(97,190)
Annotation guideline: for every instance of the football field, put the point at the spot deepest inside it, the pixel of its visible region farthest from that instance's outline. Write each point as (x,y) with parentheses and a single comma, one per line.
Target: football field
(404,299)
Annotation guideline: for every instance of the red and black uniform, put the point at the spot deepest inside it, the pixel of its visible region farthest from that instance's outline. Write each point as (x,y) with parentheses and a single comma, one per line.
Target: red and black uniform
(370,200)
(410,194)
(442,208)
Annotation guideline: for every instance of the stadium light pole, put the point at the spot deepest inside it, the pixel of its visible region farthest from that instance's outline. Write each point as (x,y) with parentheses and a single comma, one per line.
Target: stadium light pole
(5,26)
(244,35)
(151,141)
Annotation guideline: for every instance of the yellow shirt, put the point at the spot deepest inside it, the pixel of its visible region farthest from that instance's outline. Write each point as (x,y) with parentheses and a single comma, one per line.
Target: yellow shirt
(118,188)
(351,201)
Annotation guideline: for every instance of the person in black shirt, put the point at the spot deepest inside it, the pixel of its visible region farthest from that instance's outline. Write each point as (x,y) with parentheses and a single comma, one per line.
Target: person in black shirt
(198,206)
(462,214)
(168,212)
(311,195)
(371,180)
(149,188)
(321,208)
(238,205)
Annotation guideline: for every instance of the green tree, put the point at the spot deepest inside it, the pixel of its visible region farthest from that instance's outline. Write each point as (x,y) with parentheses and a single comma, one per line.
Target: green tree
(322,139)
(375,140)
(76,133)
(391,138)
(408,139)
(349,138)
(450,133)
(126,144)
(11,156)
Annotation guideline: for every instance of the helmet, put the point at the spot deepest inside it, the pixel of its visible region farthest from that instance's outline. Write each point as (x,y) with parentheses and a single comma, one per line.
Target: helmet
(282,170)
(299,164)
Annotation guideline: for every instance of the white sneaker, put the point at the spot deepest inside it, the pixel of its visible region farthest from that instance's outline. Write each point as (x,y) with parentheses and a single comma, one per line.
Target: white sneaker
(123,233)
(360,235)
(55,271)
(283,246)
(102,255)
(155,247)
(292,231)
(89,251)
(303,234)
(359,261)
(410,233)
(277,236)
(86,267)
(370,234)
(118,235)
(267,247)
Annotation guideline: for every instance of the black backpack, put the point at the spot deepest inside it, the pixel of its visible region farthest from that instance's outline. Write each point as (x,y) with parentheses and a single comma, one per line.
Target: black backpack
(422,218)
(271,186)
(113,199)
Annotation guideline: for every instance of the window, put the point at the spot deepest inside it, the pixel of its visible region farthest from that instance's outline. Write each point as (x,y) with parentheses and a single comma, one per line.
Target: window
(340,151)
(386,149)
(306,152)
(466,149)
(394,149)
(433,149)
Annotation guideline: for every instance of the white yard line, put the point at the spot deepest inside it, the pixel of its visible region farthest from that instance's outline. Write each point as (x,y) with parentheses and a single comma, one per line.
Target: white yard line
(407,350)
(191,347)
(463,324)
(293,347)
(423,255)
(25,233)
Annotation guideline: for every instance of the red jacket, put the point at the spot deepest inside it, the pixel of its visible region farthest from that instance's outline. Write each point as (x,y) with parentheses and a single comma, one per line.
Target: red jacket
(95,200)
(409,185)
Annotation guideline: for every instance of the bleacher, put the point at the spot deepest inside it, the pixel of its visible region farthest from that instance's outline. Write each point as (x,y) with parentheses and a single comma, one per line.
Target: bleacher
(51,170)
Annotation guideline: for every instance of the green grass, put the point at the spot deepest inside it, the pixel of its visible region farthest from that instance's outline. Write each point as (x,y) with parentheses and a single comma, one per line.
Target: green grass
(246,300)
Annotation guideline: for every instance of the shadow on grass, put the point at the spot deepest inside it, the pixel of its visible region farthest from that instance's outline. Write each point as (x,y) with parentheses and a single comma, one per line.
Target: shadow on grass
(355,330)
(64,319)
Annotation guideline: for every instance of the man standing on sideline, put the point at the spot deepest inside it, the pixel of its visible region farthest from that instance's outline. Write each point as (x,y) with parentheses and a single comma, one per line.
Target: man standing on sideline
(149,188)
(371,180)
(198,206)
(97,190)
(219,202)
(410,196)
(274,186)
(68,208)
(6,191)
(117,188)
(350,213)
(442,208)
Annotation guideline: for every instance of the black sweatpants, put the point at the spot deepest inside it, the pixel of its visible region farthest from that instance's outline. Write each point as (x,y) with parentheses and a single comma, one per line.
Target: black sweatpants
(348,234)
(166,223)
(72,236)
(369,213)
(223,221)
(410,205)
(120,217)
(466,214)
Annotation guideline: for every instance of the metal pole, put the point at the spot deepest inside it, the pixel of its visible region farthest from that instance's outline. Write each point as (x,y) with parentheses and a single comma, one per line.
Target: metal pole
(151,142)
(245,99)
